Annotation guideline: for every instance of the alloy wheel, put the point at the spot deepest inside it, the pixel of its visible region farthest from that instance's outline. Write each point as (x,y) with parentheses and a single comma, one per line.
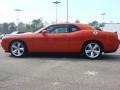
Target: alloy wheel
(17,49)
(92,50)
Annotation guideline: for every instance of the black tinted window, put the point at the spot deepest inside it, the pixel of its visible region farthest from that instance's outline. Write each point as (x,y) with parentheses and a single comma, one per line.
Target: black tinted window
(73,28)
(58,29)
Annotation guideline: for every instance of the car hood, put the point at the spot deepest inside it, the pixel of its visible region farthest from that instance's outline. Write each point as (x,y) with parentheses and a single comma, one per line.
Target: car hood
(23,35)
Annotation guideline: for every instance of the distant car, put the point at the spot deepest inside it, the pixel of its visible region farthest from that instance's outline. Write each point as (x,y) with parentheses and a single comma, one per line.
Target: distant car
(1,36)
(63,38)
(15,32)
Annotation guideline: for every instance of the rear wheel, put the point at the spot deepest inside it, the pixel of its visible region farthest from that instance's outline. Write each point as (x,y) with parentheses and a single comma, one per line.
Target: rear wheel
(17,48)
(92,50)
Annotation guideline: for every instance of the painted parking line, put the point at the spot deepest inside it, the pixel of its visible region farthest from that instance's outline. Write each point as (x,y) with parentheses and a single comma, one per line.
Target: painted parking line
(91,73)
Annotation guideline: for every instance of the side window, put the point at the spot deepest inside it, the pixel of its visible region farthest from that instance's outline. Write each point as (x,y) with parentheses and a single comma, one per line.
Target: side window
(50,29)
(58,29)
(73,28)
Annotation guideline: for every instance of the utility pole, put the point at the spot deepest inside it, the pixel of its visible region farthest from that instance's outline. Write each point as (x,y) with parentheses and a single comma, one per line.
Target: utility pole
(18,10)
(103,16)
(67,12)
(56,3)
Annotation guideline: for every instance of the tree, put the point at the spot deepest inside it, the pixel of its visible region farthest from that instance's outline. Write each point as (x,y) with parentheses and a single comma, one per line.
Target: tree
(0,28)
(22,27)
(28,28)
(94,23)
(101,24)
(46,23)
(37,24)
(77,21)
(5,28)
(12,27)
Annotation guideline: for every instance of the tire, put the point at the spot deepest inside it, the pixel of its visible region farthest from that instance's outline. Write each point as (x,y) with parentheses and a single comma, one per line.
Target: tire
(92,50)
(17,49)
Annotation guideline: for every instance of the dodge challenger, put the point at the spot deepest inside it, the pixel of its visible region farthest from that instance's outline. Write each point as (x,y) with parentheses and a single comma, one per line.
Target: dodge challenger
(63,38)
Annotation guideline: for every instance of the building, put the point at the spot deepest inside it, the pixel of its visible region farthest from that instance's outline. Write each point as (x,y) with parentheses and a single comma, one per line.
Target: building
(112,27)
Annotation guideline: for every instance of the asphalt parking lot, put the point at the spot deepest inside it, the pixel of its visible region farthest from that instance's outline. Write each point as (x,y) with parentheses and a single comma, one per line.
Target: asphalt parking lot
(59,72)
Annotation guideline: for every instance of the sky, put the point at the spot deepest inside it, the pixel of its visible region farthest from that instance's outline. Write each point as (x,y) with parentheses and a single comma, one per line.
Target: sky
(84,10)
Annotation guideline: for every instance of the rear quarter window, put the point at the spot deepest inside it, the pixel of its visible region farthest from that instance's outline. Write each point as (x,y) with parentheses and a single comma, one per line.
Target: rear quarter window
(74,28)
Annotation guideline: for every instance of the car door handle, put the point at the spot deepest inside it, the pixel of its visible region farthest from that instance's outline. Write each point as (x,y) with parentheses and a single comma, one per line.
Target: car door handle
(50,39)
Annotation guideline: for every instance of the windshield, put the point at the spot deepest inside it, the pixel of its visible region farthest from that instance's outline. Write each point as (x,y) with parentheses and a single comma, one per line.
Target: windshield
(38,31)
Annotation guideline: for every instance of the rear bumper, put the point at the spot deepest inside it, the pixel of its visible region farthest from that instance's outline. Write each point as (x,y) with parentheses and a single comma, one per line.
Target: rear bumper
(112,47)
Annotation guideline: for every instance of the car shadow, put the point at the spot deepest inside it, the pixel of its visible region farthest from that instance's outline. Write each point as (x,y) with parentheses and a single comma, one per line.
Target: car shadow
(110,57)
(69,56)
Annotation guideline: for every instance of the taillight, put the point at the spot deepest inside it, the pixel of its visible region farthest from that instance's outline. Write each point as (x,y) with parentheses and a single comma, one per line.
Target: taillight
(116,34)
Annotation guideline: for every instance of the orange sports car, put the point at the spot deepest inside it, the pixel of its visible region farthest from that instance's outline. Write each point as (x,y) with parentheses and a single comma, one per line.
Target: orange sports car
(66,38)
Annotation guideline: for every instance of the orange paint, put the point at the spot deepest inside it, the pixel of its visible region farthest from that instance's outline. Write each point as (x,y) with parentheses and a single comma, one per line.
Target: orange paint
(64,42)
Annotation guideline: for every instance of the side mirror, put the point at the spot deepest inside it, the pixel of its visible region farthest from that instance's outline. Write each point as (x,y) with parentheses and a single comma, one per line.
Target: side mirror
(44,32)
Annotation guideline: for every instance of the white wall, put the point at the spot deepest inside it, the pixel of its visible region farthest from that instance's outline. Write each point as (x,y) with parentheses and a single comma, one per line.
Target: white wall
(112,27)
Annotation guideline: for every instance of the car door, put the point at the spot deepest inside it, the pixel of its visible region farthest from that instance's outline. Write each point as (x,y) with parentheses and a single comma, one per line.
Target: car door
(38,43)
(58,38)
(76,38)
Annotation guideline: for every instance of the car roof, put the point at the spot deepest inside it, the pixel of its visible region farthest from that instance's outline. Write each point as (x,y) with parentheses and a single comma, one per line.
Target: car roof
(80,25)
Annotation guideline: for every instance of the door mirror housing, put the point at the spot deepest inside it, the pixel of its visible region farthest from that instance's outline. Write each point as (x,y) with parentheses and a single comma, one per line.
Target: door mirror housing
(44,32)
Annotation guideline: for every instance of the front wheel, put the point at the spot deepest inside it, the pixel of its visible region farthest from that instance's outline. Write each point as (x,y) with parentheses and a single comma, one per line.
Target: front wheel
(92,50)
(17,48)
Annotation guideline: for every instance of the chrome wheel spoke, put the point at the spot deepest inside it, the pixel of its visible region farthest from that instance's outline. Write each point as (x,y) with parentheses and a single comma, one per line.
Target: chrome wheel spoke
(18,45)
(96,52)
(88,51)
(95,46)
(14,46)
(91,54)
(90,46)
(14,51)
(22,49)
(19,53)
